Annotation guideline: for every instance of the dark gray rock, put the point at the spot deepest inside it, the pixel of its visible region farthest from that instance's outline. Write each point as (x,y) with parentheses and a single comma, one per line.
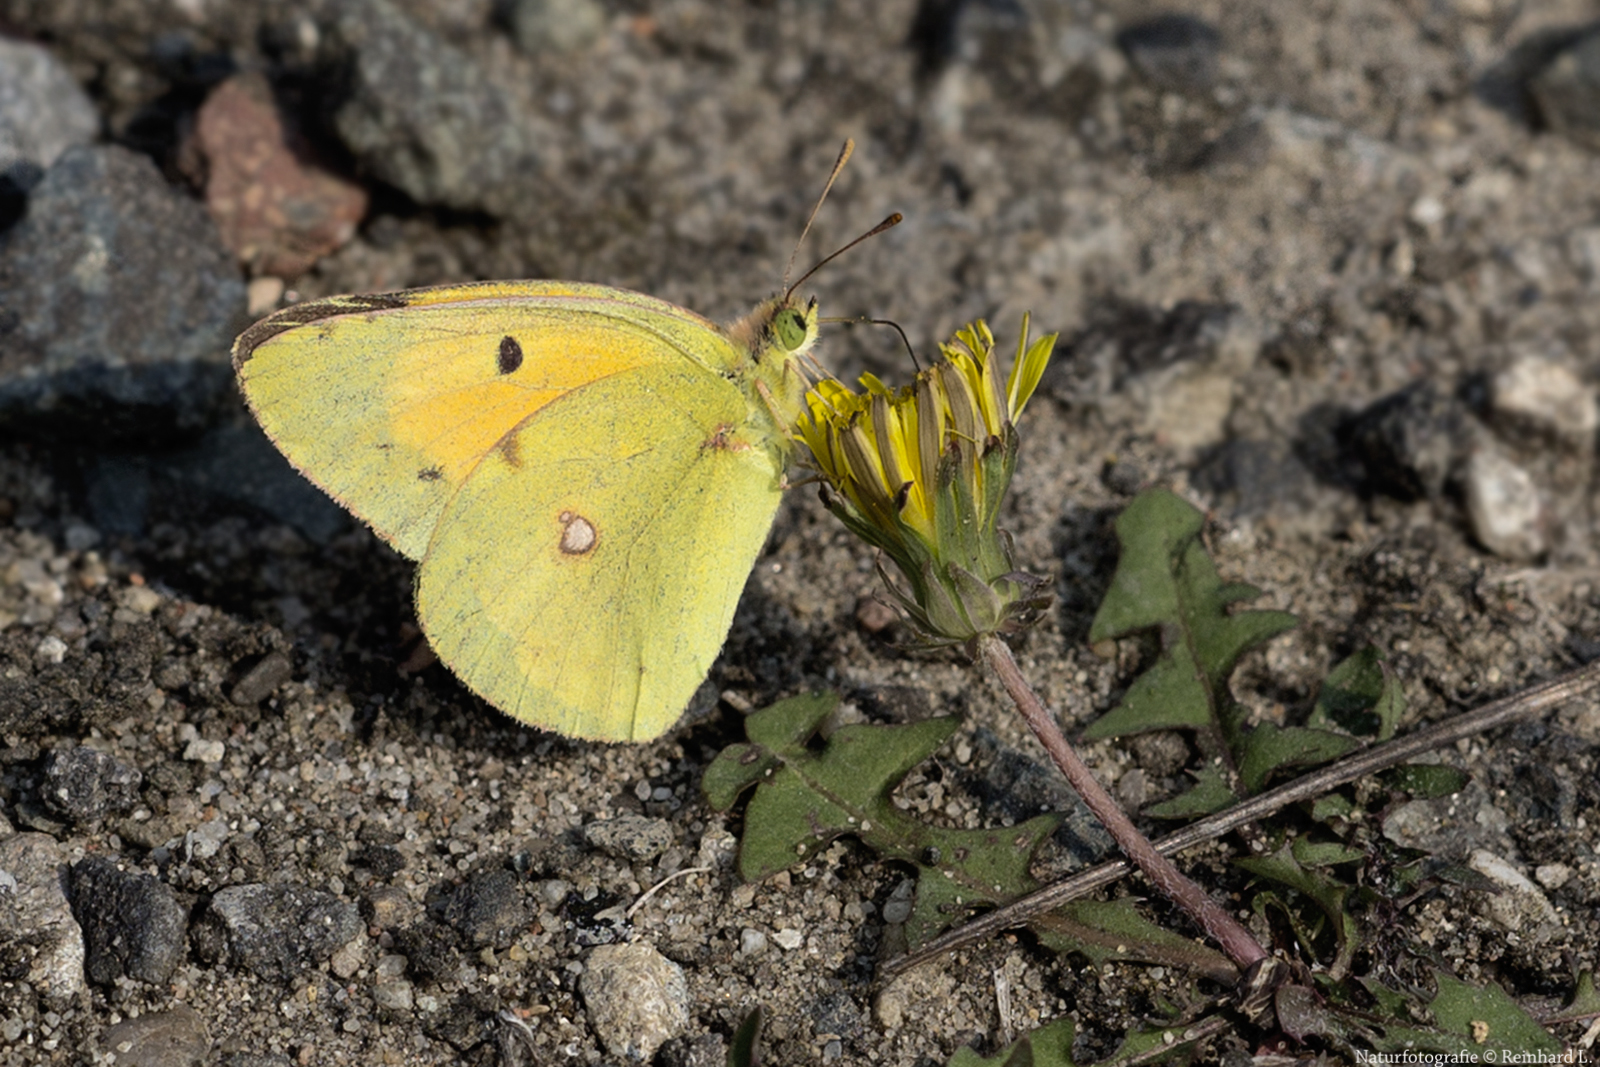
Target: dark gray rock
(173,1038)
(382,860)
(487,909)
(133,924)
(1410,442)
(118,305)
(429,948)
(43,112)
(1567,91)
(262,680)
(1177,52)
(422,115)
(1255,477)
(1014,787)
(276,931)
(1123,477)
(82,784)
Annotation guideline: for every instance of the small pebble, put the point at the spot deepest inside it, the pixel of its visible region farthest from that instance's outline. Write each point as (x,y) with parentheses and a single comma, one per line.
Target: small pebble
(1567,91)
(1505,507)
(630,837)
(34,911)
(396,995)
(391,966)
(1553,875)
(1410,442)
(139,599)
(176,1037)
(262,680)
(425,117)
(201,750)
(551,892)
(82,784)
(388,907)
(556,26)
(43,112)
(1520,907)
(1548,398)
(123,304)
(348,958)
(277,212)
(636,999)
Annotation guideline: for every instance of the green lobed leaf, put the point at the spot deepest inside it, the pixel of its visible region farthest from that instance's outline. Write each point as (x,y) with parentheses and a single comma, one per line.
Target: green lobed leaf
(1107,931)
(1210,793)
(783,725)
(1166,581)
(988,867)
(1458,1006)
(1425,781)
(1270,748)
(1390,1001)
(1332,806)
(1328,894)
(1362,696)
(1309,853)
(1478,1025)
(805,797)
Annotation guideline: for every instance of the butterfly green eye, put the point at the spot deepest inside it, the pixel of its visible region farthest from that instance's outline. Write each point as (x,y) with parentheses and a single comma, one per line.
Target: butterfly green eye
(789,326)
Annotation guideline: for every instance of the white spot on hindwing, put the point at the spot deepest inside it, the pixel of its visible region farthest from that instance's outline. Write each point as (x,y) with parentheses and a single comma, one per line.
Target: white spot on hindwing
(578,535)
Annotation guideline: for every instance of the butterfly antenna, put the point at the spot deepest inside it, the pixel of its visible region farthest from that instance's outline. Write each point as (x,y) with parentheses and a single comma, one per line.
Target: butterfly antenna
(887,224)
(862,320)
(833,176)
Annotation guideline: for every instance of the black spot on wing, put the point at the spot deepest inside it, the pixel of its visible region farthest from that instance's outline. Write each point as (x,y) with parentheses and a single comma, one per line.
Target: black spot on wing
(510,355)
(430,474)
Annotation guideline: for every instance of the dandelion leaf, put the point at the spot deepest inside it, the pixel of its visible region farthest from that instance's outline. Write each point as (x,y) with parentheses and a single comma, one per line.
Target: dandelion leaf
(1210,793)
(805,797)
(1165,581)
(1360,696)
(1113,931)
(1487,1013)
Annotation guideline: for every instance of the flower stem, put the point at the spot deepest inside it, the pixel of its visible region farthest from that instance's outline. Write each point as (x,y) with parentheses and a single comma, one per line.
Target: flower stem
(1223,928)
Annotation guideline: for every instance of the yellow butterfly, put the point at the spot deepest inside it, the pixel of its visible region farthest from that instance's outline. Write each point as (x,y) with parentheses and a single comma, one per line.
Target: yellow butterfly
(585,474)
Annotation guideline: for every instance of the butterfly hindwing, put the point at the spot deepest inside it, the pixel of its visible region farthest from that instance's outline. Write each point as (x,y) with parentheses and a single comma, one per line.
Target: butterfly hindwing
(584,576)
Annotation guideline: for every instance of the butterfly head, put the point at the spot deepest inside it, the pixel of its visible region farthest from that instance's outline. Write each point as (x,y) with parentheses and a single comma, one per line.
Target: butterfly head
(777,337)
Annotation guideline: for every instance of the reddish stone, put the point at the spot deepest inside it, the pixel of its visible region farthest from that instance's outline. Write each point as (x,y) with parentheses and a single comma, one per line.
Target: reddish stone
(278,212)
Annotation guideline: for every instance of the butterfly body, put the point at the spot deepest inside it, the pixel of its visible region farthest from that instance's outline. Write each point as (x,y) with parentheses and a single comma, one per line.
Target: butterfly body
(585,475)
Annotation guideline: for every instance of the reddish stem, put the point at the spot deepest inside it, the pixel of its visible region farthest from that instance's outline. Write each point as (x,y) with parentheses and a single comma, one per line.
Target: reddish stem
(1222,927)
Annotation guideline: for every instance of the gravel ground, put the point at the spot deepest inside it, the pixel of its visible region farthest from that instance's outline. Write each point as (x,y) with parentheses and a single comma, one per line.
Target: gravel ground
(1332,273)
